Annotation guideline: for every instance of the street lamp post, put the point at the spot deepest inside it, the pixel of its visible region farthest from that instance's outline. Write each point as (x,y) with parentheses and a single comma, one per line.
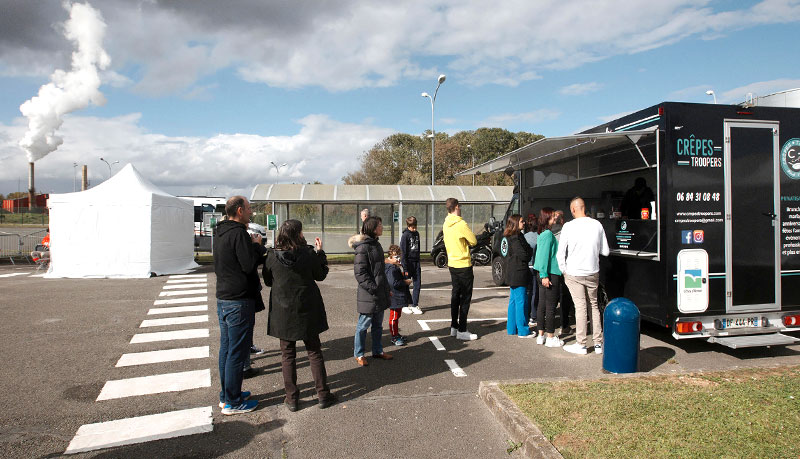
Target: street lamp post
(109,165)
(472,154)
(277,170)
(710,92)
(74,177)
(433,131)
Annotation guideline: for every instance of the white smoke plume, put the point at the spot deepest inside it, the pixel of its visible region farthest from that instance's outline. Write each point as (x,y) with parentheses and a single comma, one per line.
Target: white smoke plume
(67,91)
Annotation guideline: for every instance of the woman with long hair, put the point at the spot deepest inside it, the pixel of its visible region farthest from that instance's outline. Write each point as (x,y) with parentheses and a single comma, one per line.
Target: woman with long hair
(518,276)
(372,297)
(549,279)
(296,309)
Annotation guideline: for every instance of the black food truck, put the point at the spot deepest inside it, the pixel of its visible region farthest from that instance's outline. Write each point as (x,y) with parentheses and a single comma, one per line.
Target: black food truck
(701,208)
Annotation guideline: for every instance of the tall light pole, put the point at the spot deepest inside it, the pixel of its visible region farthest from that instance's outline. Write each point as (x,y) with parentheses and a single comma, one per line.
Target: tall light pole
(710,92)
(109,165)
(277,170)
(433,131)
(472,154)
(74,177)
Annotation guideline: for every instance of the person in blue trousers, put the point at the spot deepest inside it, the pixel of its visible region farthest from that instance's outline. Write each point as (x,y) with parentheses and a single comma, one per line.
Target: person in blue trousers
(518,276)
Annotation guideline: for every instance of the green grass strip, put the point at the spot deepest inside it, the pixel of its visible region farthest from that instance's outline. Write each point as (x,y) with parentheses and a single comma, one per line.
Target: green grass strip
(742,413)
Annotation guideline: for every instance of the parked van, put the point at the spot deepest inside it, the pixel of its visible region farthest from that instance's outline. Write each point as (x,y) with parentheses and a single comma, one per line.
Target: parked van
(701,208)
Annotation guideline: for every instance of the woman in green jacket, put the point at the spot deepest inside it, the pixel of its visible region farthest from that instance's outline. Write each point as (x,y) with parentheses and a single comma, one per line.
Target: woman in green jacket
(549,279)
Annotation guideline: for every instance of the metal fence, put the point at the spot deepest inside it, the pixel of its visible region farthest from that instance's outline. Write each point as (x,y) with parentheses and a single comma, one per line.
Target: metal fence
(18,246)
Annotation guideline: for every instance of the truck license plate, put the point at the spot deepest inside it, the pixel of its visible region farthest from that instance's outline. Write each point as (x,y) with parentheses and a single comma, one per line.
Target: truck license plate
(740,322)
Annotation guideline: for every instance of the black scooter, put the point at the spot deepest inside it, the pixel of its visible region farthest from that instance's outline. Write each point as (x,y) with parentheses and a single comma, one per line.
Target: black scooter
(480,253)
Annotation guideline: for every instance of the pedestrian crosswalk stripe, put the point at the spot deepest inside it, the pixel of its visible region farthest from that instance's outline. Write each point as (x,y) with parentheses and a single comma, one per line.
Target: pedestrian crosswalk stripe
(141,429)
(165,355)
(13,274)
(194,299)
(201,307)
(186,281)
(172,287)
(173,321)
(155,384)
(191,333)
(183,292)
(437,344)
(457,371)
(187,276)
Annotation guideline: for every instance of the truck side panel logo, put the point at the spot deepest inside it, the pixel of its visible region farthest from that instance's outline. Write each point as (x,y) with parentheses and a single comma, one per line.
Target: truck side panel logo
(504,247)
(790,158)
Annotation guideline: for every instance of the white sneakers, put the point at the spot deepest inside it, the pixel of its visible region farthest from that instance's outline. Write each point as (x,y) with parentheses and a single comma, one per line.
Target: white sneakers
(540,339)
(453,331)
(531,335)
(407,310)
(415,310)
(466,336)
(576,348)
(553,342)
(598,348)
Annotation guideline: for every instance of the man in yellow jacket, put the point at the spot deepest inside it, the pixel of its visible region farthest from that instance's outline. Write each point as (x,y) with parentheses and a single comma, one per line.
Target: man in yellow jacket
(458,238)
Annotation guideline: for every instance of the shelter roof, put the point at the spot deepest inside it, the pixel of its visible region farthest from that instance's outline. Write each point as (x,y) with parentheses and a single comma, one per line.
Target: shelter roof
(380,193)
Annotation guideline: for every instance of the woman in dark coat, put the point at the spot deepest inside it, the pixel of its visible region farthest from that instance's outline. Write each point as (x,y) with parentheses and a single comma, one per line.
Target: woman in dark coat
(373,289)
(296,309)
(518,276)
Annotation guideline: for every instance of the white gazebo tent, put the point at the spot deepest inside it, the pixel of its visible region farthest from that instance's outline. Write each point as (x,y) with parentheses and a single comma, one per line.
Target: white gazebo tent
(125,228)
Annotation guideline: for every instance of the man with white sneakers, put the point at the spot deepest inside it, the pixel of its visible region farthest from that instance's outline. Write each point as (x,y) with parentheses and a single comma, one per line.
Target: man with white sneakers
(582,242)
(458,238)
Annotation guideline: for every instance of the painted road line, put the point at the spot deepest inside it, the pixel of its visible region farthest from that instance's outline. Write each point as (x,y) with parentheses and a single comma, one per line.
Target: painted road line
(184,292)
(457,371)
(156,384)
(192,333)
(173,321)
(201,307)
(186,281)
(141,429)
(423,324)
(172,287)
(194,299)
(166,355)
(36,275)
(187,276)
(436,343)
(13,274)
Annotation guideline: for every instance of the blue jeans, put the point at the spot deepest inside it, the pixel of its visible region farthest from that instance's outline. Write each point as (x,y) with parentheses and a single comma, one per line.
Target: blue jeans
(364,322)
(235,335)
(518,313)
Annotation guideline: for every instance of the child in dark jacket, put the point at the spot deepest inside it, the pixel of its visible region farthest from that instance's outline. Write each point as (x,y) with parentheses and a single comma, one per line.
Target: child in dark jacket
(398,283)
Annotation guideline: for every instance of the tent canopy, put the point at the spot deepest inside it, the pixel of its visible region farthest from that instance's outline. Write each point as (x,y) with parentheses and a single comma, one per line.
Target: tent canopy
(125,227)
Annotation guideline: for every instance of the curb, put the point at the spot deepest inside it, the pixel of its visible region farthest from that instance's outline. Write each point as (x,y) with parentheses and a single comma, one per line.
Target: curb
(534,443)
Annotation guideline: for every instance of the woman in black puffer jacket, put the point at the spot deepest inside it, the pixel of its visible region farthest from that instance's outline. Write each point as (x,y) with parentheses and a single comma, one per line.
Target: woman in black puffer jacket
(373,289)
(296,309)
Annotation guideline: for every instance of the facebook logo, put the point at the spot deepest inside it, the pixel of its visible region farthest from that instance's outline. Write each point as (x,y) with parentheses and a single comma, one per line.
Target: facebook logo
(686,237)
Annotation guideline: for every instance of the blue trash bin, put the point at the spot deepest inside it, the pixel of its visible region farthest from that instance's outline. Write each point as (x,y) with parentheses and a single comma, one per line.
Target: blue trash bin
(621,336)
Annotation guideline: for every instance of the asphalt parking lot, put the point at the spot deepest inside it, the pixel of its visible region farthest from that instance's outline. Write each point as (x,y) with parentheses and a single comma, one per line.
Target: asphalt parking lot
(63,341)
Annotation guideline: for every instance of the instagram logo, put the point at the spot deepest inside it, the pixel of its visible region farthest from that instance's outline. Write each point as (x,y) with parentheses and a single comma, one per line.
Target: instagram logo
(698,236)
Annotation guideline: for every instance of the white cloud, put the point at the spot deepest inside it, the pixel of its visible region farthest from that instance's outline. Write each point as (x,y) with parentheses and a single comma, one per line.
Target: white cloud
(579,89)
(607,118)
(759,88)
(166,47)
(323,149)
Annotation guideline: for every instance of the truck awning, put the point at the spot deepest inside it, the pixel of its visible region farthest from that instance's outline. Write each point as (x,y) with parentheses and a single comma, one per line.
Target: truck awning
(555,149)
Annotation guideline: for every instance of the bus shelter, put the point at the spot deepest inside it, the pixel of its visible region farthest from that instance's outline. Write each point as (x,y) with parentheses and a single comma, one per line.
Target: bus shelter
(332,212)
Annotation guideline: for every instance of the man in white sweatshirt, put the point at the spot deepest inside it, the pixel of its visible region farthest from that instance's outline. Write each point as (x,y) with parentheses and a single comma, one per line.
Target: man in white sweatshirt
(582,242)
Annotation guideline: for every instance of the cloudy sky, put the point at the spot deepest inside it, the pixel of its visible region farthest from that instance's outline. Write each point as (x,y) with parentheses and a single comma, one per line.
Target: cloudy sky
(202,95)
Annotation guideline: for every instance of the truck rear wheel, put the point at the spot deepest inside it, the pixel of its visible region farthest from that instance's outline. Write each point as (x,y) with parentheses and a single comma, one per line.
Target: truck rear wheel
(497,271)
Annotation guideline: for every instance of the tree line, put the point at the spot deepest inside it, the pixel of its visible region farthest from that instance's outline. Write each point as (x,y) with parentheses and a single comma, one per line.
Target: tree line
(405,159)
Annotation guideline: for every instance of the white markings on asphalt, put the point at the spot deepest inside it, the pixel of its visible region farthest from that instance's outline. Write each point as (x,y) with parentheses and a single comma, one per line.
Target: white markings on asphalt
(166,355)
(187,276)
(457,371)
(436,343)
(170,287)
(13,274)
(183,292)
(156,384)
(424,325)
(185,281)
(173,321)
(192,333)
(141,429)
(194,299)
(201,307)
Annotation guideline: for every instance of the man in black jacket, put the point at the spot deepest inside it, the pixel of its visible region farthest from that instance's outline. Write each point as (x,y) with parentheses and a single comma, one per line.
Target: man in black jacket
(236,257)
